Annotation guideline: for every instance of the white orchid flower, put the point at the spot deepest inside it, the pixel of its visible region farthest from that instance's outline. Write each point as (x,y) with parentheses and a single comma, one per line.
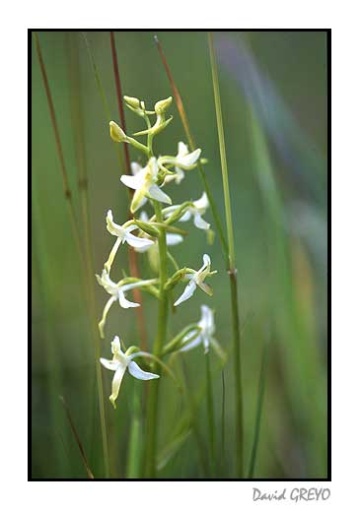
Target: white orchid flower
(182,161)
(119,363)
(144,182)
(197,279)
(117,292)
(195,210)
(206,334)
(123,233)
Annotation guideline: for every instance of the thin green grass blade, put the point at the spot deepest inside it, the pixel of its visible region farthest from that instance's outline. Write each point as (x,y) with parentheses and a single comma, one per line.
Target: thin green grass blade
(133,465)
(239,426)
(211,417)
(223,395)
(259,410)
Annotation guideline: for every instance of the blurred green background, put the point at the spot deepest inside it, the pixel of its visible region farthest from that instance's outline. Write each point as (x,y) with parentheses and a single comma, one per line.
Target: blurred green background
(274,98)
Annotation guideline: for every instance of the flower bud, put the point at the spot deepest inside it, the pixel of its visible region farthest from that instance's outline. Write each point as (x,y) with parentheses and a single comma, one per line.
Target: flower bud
(132,102)
(116,133)
(162,105)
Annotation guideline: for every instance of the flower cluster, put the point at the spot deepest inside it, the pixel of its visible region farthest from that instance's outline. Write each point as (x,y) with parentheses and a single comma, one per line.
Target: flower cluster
(151,234)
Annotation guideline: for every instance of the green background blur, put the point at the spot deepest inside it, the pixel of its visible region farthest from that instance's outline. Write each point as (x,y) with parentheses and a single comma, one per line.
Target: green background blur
(274,98)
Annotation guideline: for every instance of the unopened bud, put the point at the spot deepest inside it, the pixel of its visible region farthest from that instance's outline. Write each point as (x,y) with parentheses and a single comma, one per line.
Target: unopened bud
(162,105)
(116,133)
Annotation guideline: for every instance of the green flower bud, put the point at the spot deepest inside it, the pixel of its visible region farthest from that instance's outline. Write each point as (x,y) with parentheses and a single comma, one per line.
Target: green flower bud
(116,133)
(162,105)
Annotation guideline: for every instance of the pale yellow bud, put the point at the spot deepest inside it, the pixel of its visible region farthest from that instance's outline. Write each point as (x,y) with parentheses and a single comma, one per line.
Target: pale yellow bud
(116,133)
(133,102)
(162,105)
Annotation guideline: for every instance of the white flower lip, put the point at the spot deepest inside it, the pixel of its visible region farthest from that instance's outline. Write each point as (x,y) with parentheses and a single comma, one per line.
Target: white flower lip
(196,279)
(117,292)
(206,334)
(120,363)
(125,233)
(196,210)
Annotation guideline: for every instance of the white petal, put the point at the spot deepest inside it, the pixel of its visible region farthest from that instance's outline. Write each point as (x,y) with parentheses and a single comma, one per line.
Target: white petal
(135,168)
(173,239)
(138,373)
(124,302)
(134,182)
(110,364)
(188,292)
(144,216)
(206,260)
(186,216)
(200,222)
(189,159)
(157,194)
(207,320)
(195,342)
(182,149)
(115,345)
(136,242)
(118,376)
(203,203)
(113,227)
(179,175)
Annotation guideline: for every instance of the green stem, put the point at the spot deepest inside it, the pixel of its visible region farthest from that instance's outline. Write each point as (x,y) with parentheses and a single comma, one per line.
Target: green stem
(259,409)
(210,411)
(231,270)
(153,403)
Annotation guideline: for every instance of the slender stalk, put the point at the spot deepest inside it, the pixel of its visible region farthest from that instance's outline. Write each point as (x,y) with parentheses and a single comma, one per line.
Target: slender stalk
(231,270)
(210,412)
(133,260)
(134,452)
(259,409)
(222,456)
(153,401)
(77,238)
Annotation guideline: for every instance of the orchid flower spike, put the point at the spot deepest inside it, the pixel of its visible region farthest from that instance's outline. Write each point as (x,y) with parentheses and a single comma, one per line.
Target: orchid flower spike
(196,210)
(123,233)
(119,363)
(197,279)
(206,334)
(182,161)
(117,292)
(145,184)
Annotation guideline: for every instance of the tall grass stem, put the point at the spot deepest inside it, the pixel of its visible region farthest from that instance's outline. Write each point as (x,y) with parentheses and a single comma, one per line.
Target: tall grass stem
(231,270)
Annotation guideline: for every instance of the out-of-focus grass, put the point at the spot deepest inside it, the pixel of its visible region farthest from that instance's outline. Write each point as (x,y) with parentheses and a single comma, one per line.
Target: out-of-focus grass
(280,241)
